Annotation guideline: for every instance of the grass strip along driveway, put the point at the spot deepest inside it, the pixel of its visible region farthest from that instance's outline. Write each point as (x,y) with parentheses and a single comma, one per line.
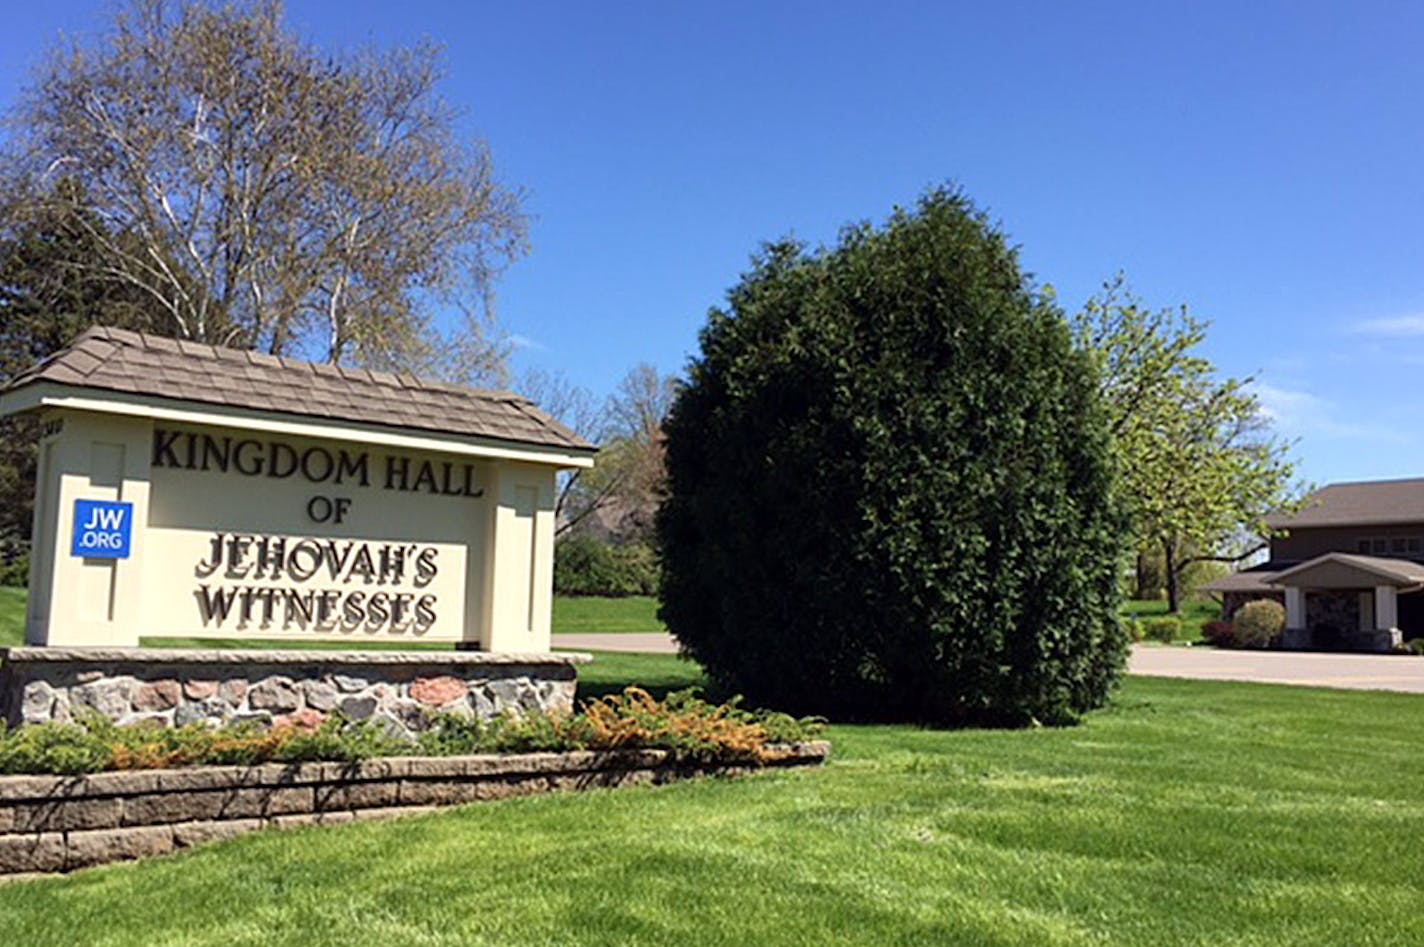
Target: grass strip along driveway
(1188,813)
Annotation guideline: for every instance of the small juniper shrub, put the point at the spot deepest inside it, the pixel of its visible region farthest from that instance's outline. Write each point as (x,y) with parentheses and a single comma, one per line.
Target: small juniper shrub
(63,749)
(1415,646)
(453,735)
(95,743)
(691,728)
(1258,624)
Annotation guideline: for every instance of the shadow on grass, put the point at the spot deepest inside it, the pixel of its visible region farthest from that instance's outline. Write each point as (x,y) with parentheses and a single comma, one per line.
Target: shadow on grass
(658,674)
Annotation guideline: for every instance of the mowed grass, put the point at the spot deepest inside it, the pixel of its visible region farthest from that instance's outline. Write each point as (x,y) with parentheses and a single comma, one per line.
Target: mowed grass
(590,615)
(1192,614)
(1188,813)
(658,674)
(12,616)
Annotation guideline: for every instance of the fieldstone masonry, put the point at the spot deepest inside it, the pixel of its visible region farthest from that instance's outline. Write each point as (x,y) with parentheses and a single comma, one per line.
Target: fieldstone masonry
(173,687)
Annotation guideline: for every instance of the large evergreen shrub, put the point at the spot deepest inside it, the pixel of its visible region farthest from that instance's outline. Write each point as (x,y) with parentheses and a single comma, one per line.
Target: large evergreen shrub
(890,486)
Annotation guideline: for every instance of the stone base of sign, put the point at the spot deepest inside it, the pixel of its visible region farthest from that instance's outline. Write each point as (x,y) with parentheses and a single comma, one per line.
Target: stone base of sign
(60,823)
(401,690)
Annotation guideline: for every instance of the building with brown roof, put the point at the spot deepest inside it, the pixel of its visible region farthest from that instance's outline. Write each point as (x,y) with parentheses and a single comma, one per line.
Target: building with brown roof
(1349,568)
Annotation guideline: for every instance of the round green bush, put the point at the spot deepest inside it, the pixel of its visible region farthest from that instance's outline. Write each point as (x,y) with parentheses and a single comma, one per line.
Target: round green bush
(1165,629)
(1257,624)
(890,488)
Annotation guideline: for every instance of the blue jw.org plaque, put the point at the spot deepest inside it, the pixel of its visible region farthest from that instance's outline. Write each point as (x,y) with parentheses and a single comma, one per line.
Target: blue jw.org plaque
(103,529)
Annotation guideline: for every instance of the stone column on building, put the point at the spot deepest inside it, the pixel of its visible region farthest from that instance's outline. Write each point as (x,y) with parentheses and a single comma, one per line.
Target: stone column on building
(1386,607)
(1367,611)
(1295,608)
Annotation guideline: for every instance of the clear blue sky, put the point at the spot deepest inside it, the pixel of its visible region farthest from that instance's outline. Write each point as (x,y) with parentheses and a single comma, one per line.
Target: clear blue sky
(1263,163)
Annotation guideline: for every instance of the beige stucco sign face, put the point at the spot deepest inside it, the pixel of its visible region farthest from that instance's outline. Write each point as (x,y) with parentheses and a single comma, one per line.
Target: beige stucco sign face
(263,531)
(281,536)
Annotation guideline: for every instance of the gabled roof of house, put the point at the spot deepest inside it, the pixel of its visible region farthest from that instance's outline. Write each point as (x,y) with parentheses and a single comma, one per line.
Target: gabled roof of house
(1366,503)
(119,360)
(1371,570)
(1399,572)
(1251,581)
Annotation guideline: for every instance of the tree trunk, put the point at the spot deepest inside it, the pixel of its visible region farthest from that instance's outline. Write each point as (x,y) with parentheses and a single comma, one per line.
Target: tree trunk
(1146,578)
(1169,569)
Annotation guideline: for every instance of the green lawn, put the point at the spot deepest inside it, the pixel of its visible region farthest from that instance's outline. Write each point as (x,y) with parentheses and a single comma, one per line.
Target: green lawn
(12,616)
(609,673)
(1189,813)
(1193,613)
(580,615)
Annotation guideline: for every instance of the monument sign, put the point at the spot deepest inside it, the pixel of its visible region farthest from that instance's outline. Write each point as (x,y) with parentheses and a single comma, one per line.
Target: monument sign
(196,491)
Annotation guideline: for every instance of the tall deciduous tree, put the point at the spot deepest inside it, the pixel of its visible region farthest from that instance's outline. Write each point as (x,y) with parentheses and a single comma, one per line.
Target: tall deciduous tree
(626,482)
(46,300)
(266,195)
(1198,461)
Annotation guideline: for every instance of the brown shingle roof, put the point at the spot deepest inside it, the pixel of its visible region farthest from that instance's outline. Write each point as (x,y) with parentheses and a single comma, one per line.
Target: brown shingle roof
(121,360)
(1402,571)
(1247,581)
(1367,503)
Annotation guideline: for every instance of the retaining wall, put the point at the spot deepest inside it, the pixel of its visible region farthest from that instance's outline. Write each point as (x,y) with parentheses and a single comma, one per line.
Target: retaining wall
(61,823)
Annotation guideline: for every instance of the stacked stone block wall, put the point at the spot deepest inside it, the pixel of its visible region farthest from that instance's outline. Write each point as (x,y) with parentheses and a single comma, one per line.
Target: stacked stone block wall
(62,823)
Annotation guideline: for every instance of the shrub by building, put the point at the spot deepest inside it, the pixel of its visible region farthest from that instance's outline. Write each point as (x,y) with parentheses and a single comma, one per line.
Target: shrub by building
(1258,624)
(587,565)
(890,493)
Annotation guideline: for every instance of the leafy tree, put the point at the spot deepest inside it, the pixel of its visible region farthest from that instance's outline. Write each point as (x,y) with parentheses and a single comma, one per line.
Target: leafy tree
(44,303)
(632,468)
(625,485)
(264,194)
(1199,463)
(890,489)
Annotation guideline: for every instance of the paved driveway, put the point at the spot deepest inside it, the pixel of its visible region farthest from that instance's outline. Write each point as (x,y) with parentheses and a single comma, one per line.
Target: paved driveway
(655,642)
(1384,672)
(1372,672)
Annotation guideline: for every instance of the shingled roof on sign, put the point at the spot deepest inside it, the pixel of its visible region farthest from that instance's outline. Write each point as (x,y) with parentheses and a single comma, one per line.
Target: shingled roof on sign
(136,363)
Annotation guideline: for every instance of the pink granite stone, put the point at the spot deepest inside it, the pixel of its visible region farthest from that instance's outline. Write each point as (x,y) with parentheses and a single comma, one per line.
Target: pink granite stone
(158,695)
(438,691)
